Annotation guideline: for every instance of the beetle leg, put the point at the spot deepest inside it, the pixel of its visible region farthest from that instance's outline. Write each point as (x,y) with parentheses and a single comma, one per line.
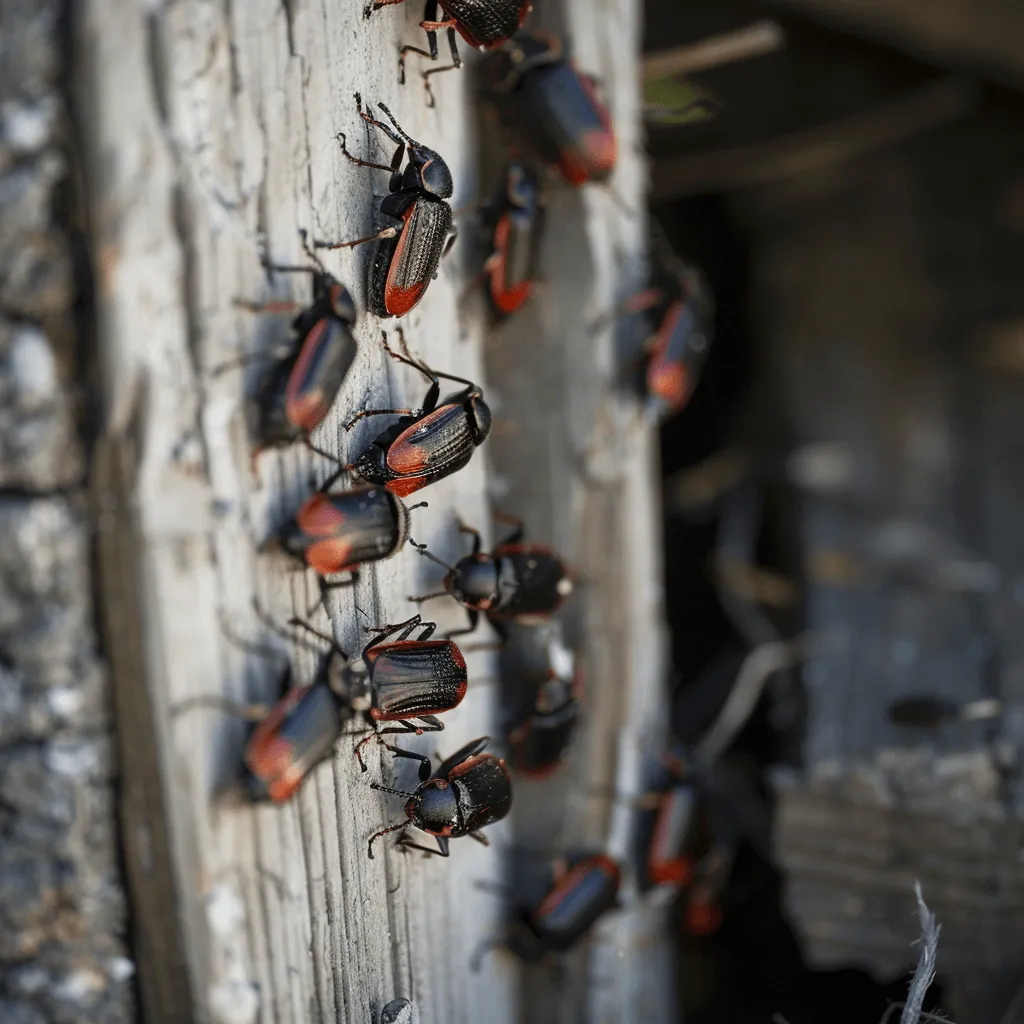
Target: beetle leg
(329,640)
(477,539)
(517,527)
(399,727)
(428,630)
(378,412)
(453,237)
(428,597)
(376,5)
(480,838)
(384,632)
(326,588)
(343,142)
(474,617)
(235,708)
(384,832)
(430,723)
(455,65)
(386,233)
(441,851)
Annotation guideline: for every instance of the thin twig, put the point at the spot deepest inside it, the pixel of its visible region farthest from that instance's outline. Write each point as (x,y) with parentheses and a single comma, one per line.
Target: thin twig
(765,36)
(924,974)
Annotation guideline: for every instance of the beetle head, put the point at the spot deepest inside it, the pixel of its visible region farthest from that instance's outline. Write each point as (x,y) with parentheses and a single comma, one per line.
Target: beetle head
(474,582)
(434,807)
(342,304)
(428,171)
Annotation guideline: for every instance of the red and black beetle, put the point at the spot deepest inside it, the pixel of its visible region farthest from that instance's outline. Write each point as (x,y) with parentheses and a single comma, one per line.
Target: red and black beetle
(482,23)
(682,311)
(395,683)
(549,713)
(426,444)
(551,108)
(582,890)
(335,532)
(515,221)
(521,583)
(468,791)
(419,229)
(302,386)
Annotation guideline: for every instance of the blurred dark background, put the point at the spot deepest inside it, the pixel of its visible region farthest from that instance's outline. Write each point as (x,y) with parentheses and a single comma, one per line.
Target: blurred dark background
(857,202)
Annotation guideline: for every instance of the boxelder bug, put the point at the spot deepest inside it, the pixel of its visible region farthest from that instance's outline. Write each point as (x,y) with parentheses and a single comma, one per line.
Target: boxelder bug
(515,220)
(302,386)
(419,229)
(549,713)
(393,682)
(426,444)
(581,892)
(482,23)
(467,792)
(335,532)
(552,108)
(522,583)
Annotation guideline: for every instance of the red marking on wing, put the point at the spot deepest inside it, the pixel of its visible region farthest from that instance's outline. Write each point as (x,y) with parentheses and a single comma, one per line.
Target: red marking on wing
(457,657)
(702,919)
(679,870)
(408,455)
(329,556)
(269,757)
(598,147)
(306,409)
(398,301)
(406,485)
(507,300)
(469,764)
(319,517)
(668,380)
(572,878)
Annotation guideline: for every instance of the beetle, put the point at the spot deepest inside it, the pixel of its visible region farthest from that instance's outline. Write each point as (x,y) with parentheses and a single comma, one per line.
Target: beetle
(397,682)
(482,23)
(335,532)
(468,791)
(521,583)
(549,713)
(426,444)
(301,387)
(680,309)
(582,890)
(398,1011)
(552,108)
(419,230)
(515,221)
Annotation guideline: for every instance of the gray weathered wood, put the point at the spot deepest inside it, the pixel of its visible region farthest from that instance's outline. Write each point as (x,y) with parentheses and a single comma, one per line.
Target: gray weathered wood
(209,125)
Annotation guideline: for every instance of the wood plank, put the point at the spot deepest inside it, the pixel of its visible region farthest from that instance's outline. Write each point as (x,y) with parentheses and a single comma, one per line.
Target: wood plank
(209,126)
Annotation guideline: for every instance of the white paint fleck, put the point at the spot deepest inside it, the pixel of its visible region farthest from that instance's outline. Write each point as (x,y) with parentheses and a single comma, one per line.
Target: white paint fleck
(120,968)
(80,986)
(31,366)
(28,127)
(66,702)
(79,759)
(225,912)
(234,1002)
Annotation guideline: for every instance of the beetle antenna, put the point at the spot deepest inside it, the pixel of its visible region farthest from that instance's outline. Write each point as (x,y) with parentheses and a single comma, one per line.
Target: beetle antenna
(398,128)
(383,831)
(393,792)
(310,251)
(422,549)
(261,613)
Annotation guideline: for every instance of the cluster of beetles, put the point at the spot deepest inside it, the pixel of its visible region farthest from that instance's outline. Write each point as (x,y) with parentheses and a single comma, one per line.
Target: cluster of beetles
(404,677)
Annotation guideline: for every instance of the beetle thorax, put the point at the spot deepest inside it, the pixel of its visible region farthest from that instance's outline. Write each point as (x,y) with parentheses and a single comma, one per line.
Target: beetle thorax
(435,807)
(427,170)
(474,582)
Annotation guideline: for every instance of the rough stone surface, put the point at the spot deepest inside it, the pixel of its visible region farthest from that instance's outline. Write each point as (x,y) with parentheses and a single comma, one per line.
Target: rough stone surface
(62,907)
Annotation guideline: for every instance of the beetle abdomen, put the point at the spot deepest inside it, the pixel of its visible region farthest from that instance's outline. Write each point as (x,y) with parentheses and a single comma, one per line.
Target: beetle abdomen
(296,736)
(537,746)
(537,582)
(588,889)
(486,23)
(318,372)
(380,266)
(336,532)
(425,677)
(435,446)
(416,254)
(484,791)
